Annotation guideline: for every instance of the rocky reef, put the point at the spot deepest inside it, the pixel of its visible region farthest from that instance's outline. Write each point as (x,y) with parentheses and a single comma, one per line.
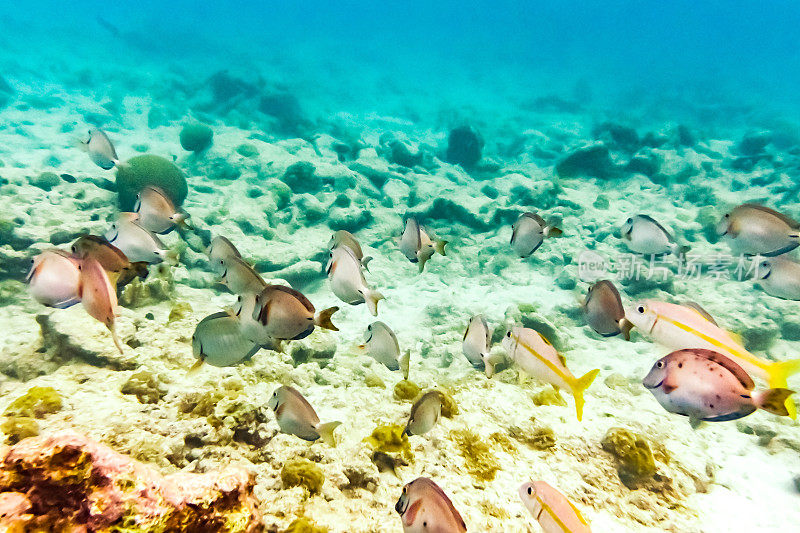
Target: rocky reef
(67,482)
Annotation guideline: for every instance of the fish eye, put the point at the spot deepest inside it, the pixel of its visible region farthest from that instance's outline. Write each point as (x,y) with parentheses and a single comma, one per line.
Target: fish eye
(405,489)
(640,309)
(660,364)
(508,334)
(530,491)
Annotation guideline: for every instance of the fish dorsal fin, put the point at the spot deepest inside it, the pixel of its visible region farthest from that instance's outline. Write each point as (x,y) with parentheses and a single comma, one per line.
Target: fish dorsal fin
(303,402)
(657,224)
(788,220)
(288,290)
(536,218)
(735,336)
(547,342)
(694,306)
(562,359)
(728,364)
(446,499)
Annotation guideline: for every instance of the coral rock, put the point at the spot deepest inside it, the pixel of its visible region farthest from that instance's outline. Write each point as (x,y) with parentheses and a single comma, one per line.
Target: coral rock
(72,483)
(635,458)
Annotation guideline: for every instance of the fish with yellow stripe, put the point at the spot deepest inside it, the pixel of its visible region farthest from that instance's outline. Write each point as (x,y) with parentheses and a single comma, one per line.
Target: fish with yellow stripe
(536,356)
(679,327)
(554,512)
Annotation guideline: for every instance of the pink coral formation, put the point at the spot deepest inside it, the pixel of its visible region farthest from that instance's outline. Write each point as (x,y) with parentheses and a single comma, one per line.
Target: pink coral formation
(67,482)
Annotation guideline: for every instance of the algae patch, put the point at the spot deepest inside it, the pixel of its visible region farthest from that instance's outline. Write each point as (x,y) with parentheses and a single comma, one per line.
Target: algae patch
(479,459)
(36,403)
(302,473)
(406,390)
(390,440)
(635,459)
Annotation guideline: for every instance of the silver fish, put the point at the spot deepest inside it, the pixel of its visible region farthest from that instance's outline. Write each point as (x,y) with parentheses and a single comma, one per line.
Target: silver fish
(348,282)
(604,311)
(529,232)
(239,277)
(706,385)
(476,343)
(137,243)
(296,417)
(218,341)
(345,238)
(284,313)
(54,279)
(156,212)
(753,229)
(644,235)
(219,249)
(425,413)
(417,245)
(100,149)
(381,344)
(780,278)
(425,508)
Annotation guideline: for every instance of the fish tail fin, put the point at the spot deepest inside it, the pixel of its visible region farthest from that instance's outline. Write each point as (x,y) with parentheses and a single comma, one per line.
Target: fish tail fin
(680,251)
(365,262)
(113,329)
(326,432)
(182,221)
(172,257)
(323,318)
(371,298)
(625,327)
(580,385)
(773,400)
(196,367)
(405,363)
(439,246)
(490,362)
(778,373)
(553,231)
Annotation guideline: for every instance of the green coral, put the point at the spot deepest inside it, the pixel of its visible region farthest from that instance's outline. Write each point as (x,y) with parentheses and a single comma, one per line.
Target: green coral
(301,177)
(37,402)
(303,524)
(390,439)
(406,390)
(196,137)
(281,193)
(17,428)
(479,460)
(247,150)
(148,169)
(301,472)
(46,180)
(145,386)
(548,397)
(635,459)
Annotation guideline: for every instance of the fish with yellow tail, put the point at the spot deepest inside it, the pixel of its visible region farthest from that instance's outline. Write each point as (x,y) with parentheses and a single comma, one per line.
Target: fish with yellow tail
(706,385)
(679,327)
(425,508)
(534,354)
(554,512)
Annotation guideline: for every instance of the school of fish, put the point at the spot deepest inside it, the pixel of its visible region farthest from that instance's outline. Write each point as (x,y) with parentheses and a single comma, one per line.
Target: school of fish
(709,376)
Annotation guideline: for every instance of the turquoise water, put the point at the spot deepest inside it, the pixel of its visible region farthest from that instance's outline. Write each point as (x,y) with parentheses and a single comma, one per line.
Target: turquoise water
(276,125)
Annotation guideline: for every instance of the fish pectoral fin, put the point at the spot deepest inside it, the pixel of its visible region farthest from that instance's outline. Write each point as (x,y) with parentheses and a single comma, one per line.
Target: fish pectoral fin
(195,369)
(695,422)
(625,327)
